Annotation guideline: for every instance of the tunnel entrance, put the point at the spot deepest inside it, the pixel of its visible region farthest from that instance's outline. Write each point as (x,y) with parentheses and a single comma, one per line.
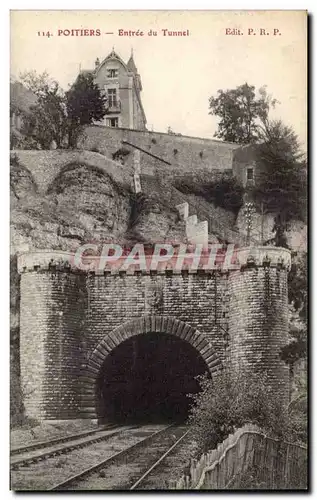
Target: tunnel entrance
(147,379)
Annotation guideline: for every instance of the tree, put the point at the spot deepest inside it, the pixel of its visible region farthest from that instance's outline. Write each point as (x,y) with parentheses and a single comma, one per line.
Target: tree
(47,121)
(241,112)
(36,83)
(294,355)
(281,166)
(85,103)
(282,189)
(281,177)
(296,349)
(60,116)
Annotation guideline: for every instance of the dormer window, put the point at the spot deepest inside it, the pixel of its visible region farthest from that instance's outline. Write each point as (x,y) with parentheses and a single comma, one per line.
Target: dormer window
(112,73)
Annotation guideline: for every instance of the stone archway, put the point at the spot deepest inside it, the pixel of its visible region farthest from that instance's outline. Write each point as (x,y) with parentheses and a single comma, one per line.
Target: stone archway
(140,326)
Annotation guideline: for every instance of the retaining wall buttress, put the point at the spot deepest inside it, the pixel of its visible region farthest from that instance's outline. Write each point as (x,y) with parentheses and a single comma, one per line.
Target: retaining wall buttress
(52,316)
(258,315)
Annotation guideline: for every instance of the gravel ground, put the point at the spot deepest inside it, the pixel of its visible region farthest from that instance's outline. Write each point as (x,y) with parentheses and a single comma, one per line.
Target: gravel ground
(25,435)
(44,475)
(122,475)
(172,467)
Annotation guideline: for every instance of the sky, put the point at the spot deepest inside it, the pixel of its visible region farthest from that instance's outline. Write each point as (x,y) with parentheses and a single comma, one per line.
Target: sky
(178,73)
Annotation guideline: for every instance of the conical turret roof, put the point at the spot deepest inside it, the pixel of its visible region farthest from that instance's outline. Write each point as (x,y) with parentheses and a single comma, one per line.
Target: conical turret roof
(131,64)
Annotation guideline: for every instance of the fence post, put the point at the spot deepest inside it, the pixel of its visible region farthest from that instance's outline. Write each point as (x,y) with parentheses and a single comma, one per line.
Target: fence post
(278,464)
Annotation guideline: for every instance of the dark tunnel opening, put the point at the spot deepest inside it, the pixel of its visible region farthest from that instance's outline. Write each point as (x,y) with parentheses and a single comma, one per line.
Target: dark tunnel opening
(147,379)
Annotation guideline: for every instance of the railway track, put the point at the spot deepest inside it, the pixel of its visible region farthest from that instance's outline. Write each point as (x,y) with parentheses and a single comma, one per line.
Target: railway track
(55,467)
(40,451)
(130,468)
(63,439)
(147,479)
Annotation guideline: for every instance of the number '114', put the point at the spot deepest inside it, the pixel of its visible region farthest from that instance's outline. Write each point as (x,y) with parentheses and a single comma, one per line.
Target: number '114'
(43,33)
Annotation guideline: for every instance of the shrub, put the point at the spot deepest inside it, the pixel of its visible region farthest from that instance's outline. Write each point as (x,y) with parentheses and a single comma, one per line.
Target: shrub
(223,191)
(227,193)
(230,401)
(297,409)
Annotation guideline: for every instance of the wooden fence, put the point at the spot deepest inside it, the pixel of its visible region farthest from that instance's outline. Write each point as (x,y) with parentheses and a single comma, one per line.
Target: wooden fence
(248,459)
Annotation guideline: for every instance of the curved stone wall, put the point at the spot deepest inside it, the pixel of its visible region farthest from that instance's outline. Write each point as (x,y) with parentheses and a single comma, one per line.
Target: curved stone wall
(71,319)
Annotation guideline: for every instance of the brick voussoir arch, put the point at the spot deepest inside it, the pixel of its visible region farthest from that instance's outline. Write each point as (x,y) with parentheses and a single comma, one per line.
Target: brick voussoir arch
(139,326)
(147,324)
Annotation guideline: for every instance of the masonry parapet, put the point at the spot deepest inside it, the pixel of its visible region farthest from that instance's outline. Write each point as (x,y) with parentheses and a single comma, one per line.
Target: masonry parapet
(92,265)
(242,258)
(264,256)
(46,260)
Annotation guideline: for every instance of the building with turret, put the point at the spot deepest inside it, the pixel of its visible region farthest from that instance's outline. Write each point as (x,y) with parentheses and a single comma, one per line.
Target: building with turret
(122,84)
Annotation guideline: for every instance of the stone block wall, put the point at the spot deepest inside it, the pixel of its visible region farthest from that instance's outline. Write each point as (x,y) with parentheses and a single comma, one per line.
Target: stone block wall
(185,154)
(258,316)
(193,298)
(243,158)
(241,315)
(45,166)
(52,311)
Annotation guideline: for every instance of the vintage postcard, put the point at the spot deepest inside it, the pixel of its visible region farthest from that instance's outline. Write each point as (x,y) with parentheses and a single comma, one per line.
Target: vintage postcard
(158,250)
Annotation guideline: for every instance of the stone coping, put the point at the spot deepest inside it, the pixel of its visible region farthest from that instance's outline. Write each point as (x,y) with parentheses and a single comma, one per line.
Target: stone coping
(48,260)
(264,256)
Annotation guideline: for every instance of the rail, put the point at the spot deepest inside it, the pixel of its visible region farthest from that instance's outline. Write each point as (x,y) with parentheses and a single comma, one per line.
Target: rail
(157,463)
(44,444)
(51,449)
(73,480)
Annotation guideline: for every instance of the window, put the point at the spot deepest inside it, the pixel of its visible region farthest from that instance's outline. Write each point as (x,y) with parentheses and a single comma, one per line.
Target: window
(112,97)
(250,174)
(112,122)
(112,73)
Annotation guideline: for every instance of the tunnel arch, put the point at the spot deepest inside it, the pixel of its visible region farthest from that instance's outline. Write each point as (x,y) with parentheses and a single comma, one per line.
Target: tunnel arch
(141,326)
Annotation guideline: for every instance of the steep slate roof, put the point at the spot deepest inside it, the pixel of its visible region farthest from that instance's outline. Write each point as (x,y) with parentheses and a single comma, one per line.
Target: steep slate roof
(112,55)
(131,65)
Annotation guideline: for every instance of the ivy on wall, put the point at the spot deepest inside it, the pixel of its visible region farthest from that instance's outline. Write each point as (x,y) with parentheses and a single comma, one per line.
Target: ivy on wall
(223,190)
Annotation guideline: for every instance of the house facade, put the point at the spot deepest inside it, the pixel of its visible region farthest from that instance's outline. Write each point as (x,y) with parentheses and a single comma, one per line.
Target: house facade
(121,83)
